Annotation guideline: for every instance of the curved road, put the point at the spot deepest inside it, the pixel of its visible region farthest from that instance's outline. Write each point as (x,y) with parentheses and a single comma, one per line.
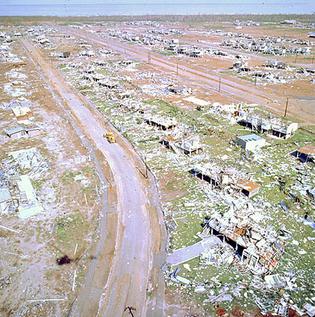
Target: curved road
(131,266)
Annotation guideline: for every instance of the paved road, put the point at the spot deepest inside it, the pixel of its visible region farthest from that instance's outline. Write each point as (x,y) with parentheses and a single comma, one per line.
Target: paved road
(130,270)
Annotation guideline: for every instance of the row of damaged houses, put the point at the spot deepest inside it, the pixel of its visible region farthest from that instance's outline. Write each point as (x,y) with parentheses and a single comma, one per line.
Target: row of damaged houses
(247,117)
(188,50)
(17,194)
(266,38)
(273,71)
(265,47)
(152,37)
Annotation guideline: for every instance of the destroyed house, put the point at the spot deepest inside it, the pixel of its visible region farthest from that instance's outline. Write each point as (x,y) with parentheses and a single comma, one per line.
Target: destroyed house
(131,105)
(282,131)
(275,64)
(215,176)
(65,54)
(161,122)
(270,126)
(171,47)
(100,63)
(97,77)
(28,203)
(182,49)
(256,248)
(240,66)
(311,193)
(195,52)
(167,140)
(248,187)
(127,62)
(19,131)
(22,112)
(16,132)
(190,145)
(89,70)
(87,53)
(108,84)
(179,90)
(250,142)
(305,154)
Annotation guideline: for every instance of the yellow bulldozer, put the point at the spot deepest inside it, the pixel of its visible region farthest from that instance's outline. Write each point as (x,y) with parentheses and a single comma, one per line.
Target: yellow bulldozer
(110,137)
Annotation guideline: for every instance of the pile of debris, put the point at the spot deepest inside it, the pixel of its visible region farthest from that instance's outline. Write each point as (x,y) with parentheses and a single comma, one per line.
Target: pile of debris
(256,248)
(225,178)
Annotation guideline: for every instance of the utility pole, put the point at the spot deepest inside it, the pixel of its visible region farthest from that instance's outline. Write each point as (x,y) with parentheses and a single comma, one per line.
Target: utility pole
(286,107)
(177,68)
(255,80)
(219,84)
(295,57)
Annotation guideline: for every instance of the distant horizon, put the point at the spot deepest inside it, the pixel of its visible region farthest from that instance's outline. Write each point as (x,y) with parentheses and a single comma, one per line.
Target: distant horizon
(157,3)
(154,7)
(162,2)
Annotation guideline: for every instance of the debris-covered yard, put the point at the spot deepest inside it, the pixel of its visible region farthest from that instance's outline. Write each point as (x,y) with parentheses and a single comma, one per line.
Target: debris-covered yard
(48,197)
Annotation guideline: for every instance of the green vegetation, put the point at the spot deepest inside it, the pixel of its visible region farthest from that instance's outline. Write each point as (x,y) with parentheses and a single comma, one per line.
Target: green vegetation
(70,231)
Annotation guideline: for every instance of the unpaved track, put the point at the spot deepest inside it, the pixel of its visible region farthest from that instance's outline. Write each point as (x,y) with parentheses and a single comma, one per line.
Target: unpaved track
(209,79)
(235,89)
(132,261)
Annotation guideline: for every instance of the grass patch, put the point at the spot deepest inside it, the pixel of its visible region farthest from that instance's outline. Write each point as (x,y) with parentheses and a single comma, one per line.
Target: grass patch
(71,230)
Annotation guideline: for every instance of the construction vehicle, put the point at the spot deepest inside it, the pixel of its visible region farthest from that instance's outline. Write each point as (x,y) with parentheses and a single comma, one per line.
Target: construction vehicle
(110,137)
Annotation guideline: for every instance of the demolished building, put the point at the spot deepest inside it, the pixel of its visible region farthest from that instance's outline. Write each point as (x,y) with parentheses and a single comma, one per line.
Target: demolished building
(305,153)
(256,248)
(188,145)
(22,112)
(273,126)
(223,177)
(21,131)
(250,142)
(161,122)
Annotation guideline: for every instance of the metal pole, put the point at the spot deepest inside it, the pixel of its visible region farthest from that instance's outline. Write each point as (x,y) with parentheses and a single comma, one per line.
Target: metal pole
(177,68)
(286,107)
(219,84)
